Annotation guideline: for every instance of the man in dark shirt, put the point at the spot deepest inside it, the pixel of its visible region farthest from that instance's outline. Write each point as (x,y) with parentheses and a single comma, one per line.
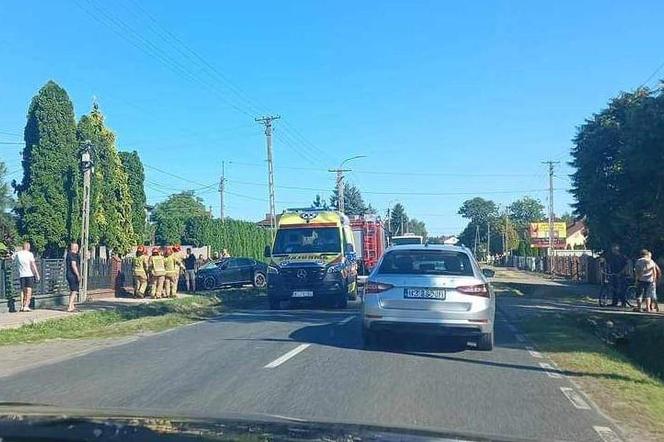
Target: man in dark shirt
(616,269)
(190,271)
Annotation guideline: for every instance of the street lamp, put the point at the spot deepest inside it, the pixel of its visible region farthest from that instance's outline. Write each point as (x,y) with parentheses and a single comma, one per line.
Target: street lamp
(340,180)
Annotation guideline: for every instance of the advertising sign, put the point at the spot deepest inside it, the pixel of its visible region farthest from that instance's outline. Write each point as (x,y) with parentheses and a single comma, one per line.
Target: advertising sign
(539,234)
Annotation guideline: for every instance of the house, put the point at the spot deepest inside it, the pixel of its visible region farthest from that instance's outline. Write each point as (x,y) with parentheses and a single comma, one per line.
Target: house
(265,222)
(577,233)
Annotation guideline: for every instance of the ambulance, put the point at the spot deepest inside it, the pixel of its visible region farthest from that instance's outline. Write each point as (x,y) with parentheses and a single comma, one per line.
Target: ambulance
(312,258)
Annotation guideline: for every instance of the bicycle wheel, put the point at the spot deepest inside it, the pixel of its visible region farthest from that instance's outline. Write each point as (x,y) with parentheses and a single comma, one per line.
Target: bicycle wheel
(630,296)
(603,295)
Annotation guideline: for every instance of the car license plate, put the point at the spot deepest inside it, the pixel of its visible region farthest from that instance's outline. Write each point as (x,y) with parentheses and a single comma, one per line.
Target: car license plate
(303,294)
(424,293)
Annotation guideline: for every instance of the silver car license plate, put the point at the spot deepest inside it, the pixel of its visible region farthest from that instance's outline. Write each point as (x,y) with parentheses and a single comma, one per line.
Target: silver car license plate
(303,294)
(424,293)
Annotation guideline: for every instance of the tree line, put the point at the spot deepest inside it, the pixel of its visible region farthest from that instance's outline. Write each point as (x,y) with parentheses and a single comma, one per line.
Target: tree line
(618,184)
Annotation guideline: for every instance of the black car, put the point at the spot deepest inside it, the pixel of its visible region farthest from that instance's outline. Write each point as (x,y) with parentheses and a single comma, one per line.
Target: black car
(233,272)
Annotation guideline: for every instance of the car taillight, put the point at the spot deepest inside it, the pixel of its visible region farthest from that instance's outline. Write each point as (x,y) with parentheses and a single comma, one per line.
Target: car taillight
(475,290)
(377,287)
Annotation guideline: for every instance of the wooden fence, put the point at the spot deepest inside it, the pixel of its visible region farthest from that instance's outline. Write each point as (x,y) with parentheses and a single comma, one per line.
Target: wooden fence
(583,268)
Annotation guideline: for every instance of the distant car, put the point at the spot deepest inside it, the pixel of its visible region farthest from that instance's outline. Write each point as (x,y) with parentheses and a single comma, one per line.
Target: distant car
(233,272)
(435,289)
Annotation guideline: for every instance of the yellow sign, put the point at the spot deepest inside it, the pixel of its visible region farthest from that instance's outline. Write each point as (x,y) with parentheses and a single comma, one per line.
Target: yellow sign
(541,230)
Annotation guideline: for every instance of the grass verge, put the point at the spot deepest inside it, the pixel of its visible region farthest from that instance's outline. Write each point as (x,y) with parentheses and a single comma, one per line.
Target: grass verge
(623,376)
(127,320)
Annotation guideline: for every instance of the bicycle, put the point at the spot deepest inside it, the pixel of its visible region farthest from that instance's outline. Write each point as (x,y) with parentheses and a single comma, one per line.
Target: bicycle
(606,290)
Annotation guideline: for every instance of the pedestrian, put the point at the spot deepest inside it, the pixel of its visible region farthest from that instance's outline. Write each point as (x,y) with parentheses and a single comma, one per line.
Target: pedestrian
(190,270)
(140,271)
(647,272)
(172,269)
(225,254)
(73,274)
(616,270)
(200,262)
(215,256)
(157,273)
(27,273)
(177,254)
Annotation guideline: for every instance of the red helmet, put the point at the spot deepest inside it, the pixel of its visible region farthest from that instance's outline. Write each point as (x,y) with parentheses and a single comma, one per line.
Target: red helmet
(155,250)
(140,248)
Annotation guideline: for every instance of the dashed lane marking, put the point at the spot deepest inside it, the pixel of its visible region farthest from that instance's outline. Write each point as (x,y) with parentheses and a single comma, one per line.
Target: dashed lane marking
(607,434)
(286,356)
(534,353)
(575,398)
(550,371)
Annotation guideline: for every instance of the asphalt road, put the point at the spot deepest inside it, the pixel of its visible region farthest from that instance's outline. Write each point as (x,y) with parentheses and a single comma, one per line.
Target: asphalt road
(310,364)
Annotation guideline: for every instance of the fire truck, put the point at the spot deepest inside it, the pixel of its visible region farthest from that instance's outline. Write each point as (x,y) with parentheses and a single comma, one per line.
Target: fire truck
(369,236)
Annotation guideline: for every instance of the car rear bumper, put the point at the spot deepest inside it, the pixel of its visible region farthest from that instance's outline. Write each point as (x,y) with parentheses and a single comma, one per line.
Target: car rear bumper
(440,327)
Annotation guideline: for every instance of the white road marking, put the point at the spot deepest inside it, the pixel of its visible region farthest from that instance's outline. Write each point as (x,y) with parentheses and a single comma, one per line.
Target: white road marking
(520,338)
(549,370)
(607,434)
(283,358)
(575,398)
(346,321)
(534,353)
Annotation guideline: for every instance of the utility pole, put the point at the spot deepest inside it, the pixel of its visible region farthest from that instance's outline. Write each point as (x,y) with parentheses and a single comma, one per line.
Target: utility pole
(222,183)
(267,122)
(340,181)
(401,224)
(551,165)
(389,224)
(505,234)
(477,240)
(488,240)
(88,168)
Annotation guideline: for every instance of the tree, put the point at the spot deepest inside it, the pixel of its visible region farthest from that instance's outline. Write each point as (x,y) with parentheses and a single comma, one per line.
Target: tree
(319,202)
(171,216)
(111,221)
(567,217)
(398,220)
(478,210)
(417,227)
(524,211)
(619,181)
(7,222)
(353,201)
(48,209)
(133,167)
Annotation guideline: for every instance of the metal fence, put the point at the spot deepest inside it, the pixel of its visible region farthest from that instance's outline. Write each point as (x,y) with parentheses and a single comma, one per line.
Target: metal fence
(52,288)
(583,268)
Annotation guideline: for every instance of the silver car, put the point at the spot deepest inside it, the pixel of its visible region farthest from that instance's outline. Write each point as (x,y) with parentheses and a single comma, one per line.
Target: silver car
(431,288)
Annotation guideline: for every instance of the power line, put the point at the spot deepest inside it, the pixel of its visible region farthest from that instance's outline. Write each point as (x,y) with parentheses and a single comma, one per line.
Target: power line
(177,176)
(3,132)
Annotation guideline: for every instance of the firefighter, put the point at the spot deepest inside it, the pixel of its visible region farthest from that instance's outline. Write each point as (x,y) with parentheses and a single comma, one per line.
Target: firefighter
(172,267)
(180,265)
(140,263)
(157,273)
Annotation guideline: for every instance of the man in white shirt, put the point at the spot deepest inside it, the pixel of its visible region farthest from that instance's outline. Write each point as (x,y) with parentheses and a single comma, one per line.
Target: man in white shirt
(647,275)
(27,273)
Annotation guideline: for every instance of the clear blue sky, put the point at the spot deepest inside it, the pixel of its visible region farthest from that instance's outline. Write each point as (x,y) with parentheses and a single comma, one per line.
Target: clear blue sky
(453,91)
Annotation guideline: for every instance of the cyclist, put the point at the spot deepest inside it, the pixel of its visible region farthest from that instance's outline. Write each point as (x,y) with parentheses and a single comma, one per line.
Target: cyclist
(617,269)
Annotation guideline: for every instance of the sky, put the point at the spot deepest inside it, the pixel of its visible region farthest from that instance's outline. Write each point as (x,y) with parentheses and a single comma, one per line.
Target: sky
(446,100)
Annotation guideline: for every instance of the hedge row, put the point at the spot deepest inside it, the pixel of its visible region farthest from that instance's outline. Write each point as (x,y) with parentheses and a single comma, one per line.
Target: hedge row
(240,238)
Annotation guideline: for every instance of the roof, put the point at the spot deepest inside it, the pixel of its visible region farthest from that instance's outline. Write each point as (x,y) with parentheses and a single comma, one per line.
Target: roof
(576,226)
(443,247)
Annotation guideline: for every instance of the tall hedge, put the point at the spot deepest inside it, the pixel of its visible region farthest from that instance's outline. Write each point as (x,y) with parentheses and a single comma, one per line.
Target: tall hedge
(133,167)
(240,238)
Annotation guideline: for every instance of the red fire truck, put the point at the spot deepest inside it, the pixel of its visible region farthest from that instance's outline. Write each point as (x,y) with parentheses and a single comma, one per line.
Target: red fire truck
(369,238)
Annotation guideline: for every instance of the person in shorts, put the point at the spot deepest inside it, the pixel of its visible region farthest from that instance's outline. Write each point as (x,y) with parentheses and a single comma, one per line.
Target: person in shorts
(647,272)
(190,263)
(27,273)
(73,274)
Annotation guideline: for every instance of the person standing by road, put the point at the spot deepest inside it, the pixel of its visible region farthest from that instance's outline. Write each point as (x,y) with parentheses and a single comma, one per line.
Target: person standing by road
(157,273)
(27,273)
(172,267)
(140,271)
(73,264)
(190,271)
(616,271)
(647,272)
(225,254)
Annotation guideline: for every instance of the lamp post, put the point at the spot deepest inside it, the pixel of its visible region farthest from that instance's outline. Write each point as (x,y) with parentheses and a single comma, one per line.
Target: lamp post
(340,180)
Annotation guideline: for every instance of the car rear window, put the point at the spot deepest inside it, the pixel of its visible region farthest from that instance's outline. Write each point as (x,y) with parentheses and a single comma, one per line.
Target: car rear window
(426,262)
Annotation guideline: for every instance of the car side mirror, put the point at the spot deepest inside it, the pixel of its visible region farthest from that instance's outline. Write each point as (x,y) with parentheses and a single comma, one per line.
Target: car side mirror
(266,252)
(488,273)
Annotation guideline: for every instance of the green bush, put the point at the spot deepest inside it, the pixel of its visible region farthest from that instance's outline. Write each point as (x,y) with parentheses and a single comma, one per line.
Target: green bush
(240,238)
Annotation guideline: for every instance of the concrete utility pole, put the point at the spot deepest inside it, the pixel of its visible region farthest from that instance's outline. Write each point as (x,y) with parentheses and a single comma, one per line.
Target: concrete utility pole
(87,167)
(267,122)
(222,183)
(340,181)
(551,165)
(488,240)
(477,240)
